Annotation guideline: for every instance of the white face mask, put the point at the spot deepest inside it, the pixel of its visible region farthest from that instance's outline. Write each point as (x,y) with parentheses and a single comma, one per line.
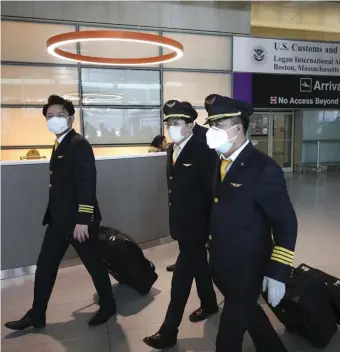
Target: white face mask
(218,139)
(57,125)
(175,133)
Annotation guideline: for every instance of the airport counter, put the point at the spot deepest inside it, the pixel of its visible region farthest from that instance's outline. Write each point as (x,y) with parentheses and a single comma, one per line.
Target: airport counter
(131,191)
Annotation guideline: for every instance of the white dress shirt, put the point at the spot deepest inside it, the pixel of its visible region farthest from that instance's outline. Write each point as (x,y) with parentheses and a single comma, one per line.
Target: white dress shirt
(236,153)
(179,147)
(60,139)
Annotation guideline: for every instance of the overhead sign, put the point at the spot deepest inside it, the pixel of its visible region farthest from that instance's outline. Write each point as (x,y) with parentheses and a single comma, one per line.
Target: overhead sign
(293,91)
(263,55)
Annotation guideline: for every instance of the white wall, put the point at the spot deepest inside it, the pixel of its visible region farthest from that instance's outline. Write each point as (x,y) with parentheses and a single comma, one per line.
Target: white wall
(218,16)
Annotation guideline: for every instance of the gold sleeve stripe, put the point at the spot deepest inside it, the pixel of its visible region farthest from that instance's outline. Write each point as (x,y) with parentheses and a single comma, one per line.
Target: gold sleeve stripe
(288,256)
(278,255)
(85,211)
(86,206)
(281,259)
(290,260)
(284,250)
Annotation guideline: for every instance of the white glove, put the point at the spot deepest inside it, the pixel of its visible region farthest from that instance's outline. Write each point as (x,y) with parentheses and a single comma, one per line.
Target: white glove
(276,290)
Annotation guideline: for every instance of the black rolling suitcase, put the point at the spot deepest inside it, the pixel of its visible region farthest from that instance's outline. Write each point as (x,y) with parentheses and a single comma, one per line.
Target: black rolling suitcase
(306,311)
(125,260)
(331,284)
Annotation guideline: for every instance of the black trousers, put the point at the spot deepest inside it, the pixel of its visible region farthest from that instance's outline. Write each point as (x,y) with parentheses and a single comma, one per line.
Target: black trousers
(242,313)
(52,252)
(192,263)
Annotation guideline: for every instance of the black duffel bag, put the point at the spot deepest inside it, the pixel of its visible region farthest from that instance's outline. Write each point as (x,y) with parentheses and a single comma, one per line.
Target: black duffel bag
(331,284)
(306,311)
(125,260)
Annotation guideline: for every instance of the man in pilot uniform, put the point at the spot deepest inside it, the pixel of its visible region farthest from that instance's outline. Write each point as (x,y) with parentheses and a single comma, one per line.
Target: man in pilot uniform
(200,133)
(189,173)
(253,228)
(72,216)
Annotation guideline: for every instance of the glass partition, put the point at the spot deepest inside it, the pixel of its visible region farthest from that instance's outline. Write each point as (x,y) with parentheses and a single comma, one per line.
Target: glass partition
(22,127)
(309,153)
(272,134)
(320,127)
(258,131)
(195,87)
(117,107)
(120,87)
(26,41)
(321,124)
(121,126)
(32,85)
(329,152)
(204,52)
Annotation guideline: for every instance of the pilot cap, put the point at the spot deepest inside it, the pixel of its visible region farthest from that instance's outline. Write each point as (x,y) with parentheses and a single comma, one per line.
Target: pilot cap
(219,107)
(179,110)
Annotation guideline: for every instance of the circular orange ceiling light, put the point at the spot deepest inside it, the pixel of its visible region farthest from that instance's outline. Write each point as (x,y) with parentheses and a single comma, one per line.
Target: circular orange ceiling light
(55,42)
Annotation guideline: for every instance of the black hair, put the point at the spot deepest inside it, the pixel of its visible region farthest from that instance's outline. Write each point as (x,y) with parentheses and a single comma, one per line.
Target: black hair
(157,141)
(190,120)
(243,120)
(57,100)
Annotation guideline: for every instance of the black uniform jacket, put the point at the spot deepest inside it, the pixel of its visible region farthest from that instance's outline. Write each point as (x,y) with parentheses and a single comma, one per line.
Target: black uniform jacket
(200,132)
(190,190)
(253,223)
(72,193)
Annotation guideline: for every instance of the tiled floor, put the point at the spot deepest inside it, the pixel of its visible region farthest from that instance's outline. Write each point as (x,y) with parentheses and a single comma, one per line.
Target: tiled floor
(316,200)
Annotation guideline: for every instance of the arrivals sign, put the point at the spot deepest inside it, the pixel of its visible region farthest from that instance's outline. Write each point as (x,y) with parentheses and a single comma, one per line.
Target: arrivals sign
(261,55)
(295,91)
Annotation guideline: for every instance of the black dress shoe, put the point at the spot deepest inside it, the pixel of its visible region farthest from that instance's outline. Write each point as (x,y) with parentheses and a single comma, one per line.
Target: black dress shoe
(161,341)
(171,268)
(25,323)
(202,314)
(101,317)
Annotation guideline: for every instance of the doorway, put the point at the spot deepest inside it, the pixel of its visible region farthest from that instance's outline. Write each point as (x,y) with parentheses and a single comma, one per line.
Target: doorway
(272,133)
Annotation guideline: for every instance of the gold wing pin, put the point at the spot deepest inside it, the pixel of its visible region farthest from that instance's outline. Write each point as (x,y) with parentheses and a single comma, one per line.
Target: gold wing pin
(210,101)
(236,184)
(171,105)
